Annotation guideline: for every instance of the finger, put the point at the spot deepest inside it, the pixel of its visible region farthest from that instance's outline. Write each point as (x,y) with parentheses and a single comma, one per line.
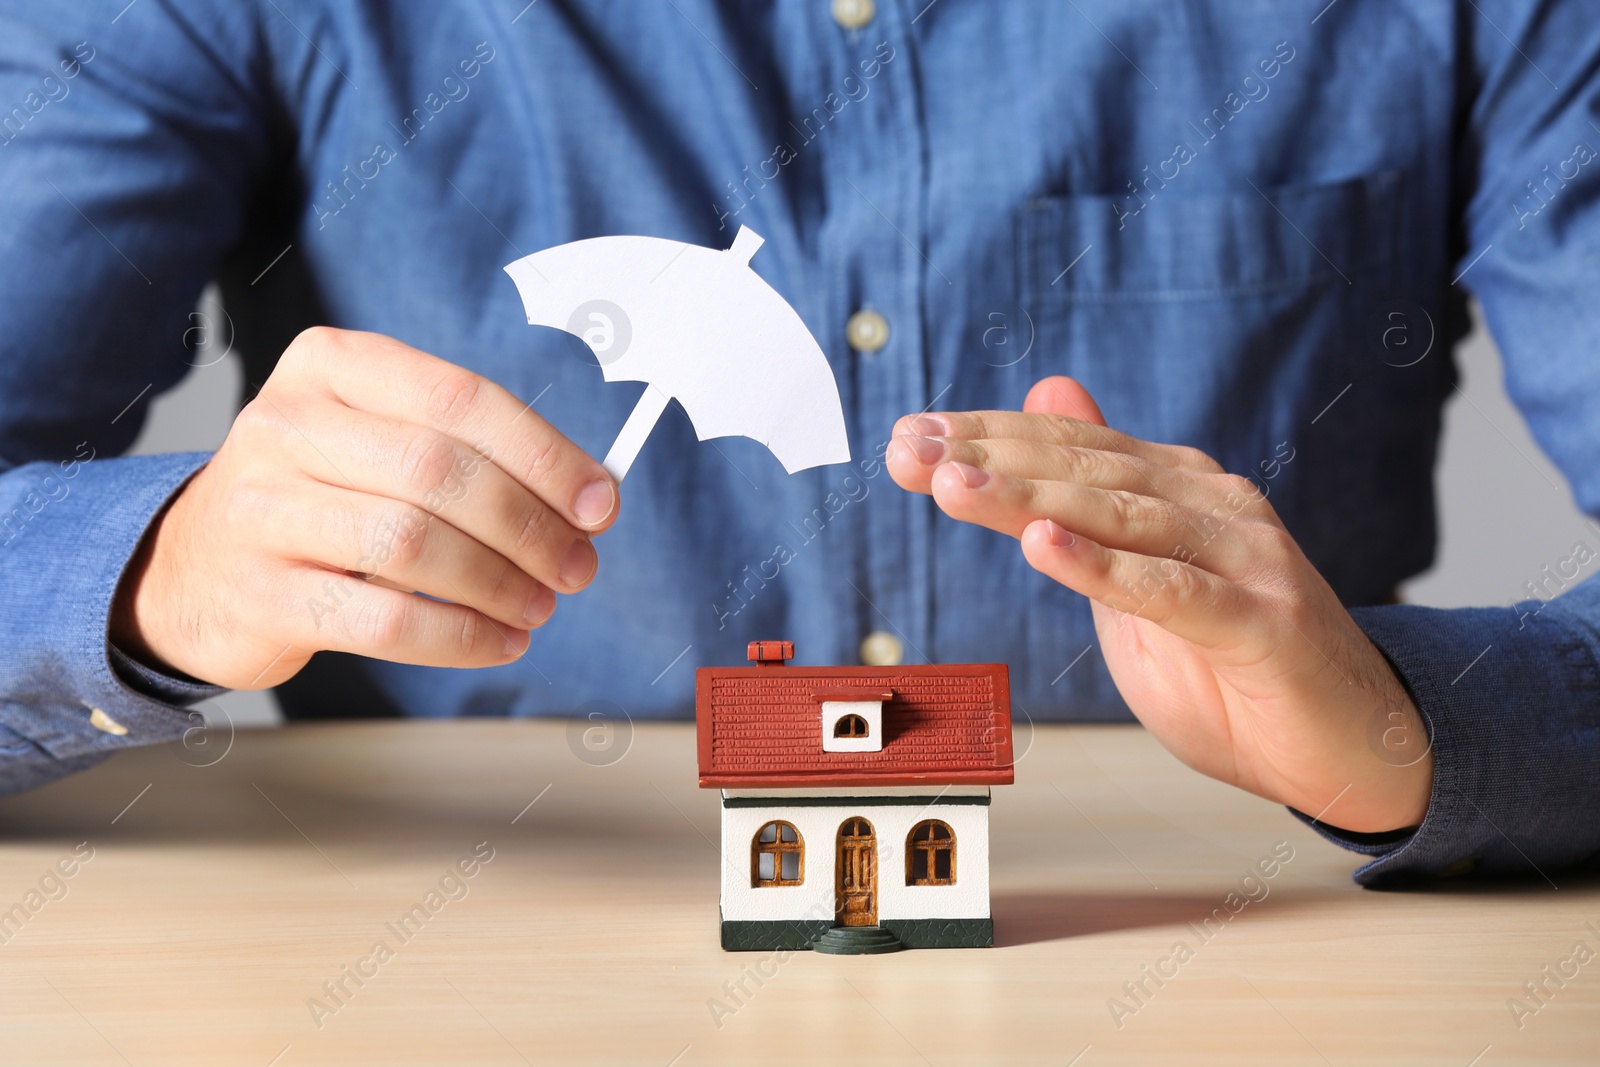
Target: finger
(1049,428)
(382,376)
(438,473)
(1186,601)
(350,615)
(1122,520)
(407,548)
(1052,429)
(1060,395)
(912,461)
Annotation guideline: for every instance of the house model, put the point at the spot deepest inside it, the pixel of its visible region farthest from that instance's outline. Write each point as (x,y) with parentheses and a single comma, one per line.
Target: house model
(855,800)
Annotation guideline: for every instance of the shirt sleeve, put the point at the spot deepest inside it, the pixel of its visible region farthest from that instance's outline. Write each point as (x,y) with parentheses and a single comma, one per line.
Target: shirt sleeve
(1511,699)
(1511,696)
(67,698)
(128,153)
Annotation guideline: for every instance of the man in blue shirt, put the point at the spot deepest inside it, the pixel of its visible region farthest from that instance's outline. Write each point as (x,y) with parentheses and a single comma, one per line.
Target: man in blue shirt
(1199,226)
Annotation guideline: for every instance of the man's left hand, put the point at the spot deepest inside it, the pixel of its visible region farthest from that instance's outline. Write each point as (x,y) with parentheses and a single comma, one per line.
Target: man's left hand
(1220,634)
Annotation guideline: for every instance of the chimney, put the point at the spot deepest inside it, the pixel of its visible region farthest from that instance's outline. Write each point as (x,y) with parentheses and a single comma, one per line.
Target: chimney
(771,653)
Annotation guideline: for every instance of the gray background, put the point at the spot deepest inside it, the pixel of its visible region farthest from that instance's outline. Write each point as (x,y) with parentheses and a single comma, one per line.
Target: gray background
(1505,511)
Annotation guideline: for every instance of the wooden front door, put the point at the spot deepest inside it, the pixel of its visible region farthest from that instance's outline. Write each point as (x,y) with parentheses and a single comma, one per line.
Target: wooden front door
(857,897)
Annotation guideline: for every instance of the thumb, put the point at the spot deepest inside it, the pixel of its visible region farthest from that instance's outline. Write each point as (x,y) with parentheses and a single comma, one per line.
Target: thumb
(1060,395)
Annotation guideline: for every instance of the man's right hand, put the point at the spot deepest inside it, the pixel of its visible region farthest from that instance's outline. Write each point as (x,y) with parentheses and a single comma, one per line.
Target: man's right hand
(364,472)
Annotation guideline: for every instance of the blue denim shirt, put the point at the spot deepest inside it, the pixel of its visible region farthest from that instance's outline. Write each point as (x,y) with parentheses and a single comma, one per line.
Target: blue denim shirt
(1246,228)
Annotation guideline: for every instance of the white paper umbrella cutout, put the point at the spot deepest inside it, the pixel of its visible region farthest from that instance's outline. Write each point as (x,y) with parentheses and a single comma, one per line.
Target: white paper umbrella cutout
(695,324)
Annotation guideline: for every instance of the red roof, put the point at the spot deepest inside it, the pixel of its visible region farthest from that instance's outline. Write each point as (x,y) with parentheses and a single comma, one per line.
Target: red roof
(945,724)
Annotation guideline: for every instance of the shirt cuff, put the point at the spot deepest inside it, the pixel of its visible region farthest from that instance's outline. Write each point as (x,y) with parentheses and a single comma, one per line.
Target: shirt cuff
(67,698)
(1511,701)
(157,684)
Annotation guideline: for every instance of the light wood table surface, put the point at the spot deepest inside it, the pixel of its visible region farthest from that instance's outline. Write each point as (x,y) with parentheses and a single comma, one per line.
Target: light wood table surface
(220,898)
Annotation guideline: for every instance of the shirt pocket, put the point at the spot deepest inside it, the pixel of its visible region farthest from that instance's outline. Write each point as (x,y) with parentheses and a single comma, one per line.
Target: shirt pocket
(1210,319)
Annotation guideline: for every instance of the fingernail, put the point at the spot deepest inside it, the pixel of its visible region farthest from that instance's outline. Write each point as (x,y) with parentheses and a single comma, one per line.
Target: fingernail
(579,564)
(972,477)
(594,503)
(925,450)
(929,426)
(1059,537)
(541,605)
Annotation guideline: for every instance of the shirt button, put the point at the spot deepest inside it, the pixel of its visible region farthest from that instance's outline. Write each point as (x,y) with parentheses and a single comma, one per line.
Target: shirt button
(853,14)
(867,331)
(881,649)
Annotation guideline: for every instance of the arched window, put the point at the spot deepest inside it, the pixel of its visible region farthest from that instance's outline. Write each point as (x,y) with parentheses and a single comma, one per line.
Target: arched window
(777,856)
(850,726)
(931,854)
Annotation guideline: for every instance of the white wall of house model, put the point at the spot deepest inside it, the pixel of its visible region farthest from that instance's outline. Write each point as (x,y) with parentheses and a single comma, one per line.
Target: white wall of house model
(818,825)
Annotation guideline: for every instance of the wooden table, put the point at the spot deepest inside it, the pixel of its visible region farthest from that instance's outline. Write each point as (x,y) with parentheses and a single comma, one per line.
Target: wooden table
(218,900)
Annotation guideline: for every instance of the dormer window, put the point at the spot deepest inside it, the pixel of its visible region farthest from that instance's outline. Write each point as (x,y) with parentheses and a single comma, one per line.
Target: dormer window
(850,726)
(852,719)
